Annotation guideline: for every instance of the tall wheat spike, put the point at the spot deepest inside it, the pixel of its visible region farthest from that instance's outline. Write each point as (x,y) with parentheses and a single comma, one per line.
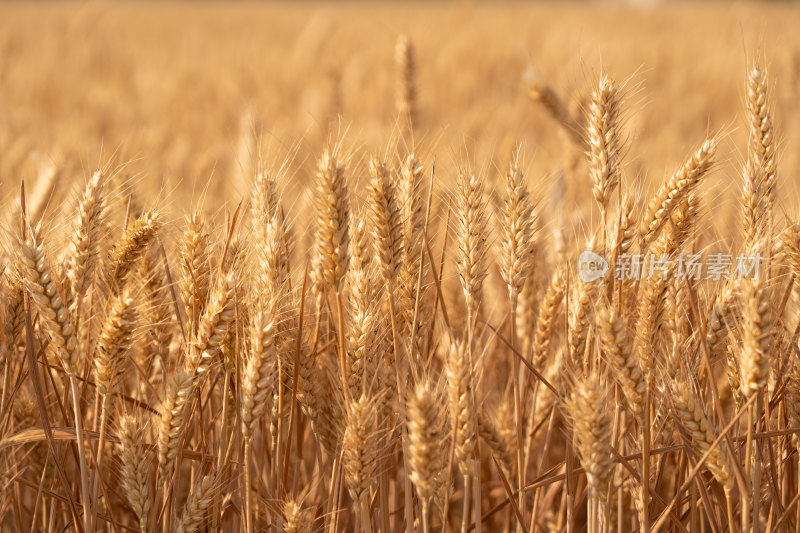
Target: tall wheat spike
(87,236)
(758,195)
(195,265)
(604,142)
(516,261)
(471,240)
(406,85)
(332,223)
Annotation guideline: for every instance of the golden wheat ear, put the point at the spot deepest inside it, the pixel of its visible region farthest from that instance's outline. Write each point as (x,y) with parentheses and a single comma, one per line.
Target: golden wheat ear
(196,509)
(617,348)
(592,433)
(332,223)
(86,237)
(692,416)
(760,169)
(461,403)
(406,97)
(604,143)
(135,468)
(427,442)
(675,189)
(517,220)
(195,266)
(131,247)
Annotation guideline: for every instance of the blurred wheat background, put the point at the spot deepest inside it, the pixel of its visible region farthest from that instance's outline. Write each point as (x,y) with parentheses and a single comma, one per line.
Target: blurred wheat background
(171,88)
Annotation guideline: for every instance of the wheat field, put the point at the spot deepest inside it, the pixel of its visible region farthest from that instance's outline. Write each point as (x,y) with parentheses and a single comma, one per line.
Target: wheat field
(385,267)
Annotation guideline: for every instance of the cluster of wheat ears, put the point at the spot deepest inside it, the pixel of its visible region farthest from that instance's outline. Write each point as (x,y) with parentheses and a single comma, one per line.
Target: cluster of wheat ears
(208,382)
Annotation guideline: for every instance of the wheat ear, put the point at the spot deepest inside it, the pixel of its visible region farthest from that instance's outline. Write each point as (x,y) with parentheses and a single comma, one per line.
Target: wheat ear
(693,418)
(87,236)
(411,204)
(406,86)
(471,241)
(259,371)
(361,447)
(387,229)
(427,438)
(134,470)
(592,433)
(363,342)
(37,275)
(516,261)
(675,189)
(756,334)
(758,194)
(173,418)
(296,519)
(332,221)
(546,321)
(622,359)
(195,265)
(604,142)
(540,91)
(213,327)
(460,382)
(128,249)
(196,507)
